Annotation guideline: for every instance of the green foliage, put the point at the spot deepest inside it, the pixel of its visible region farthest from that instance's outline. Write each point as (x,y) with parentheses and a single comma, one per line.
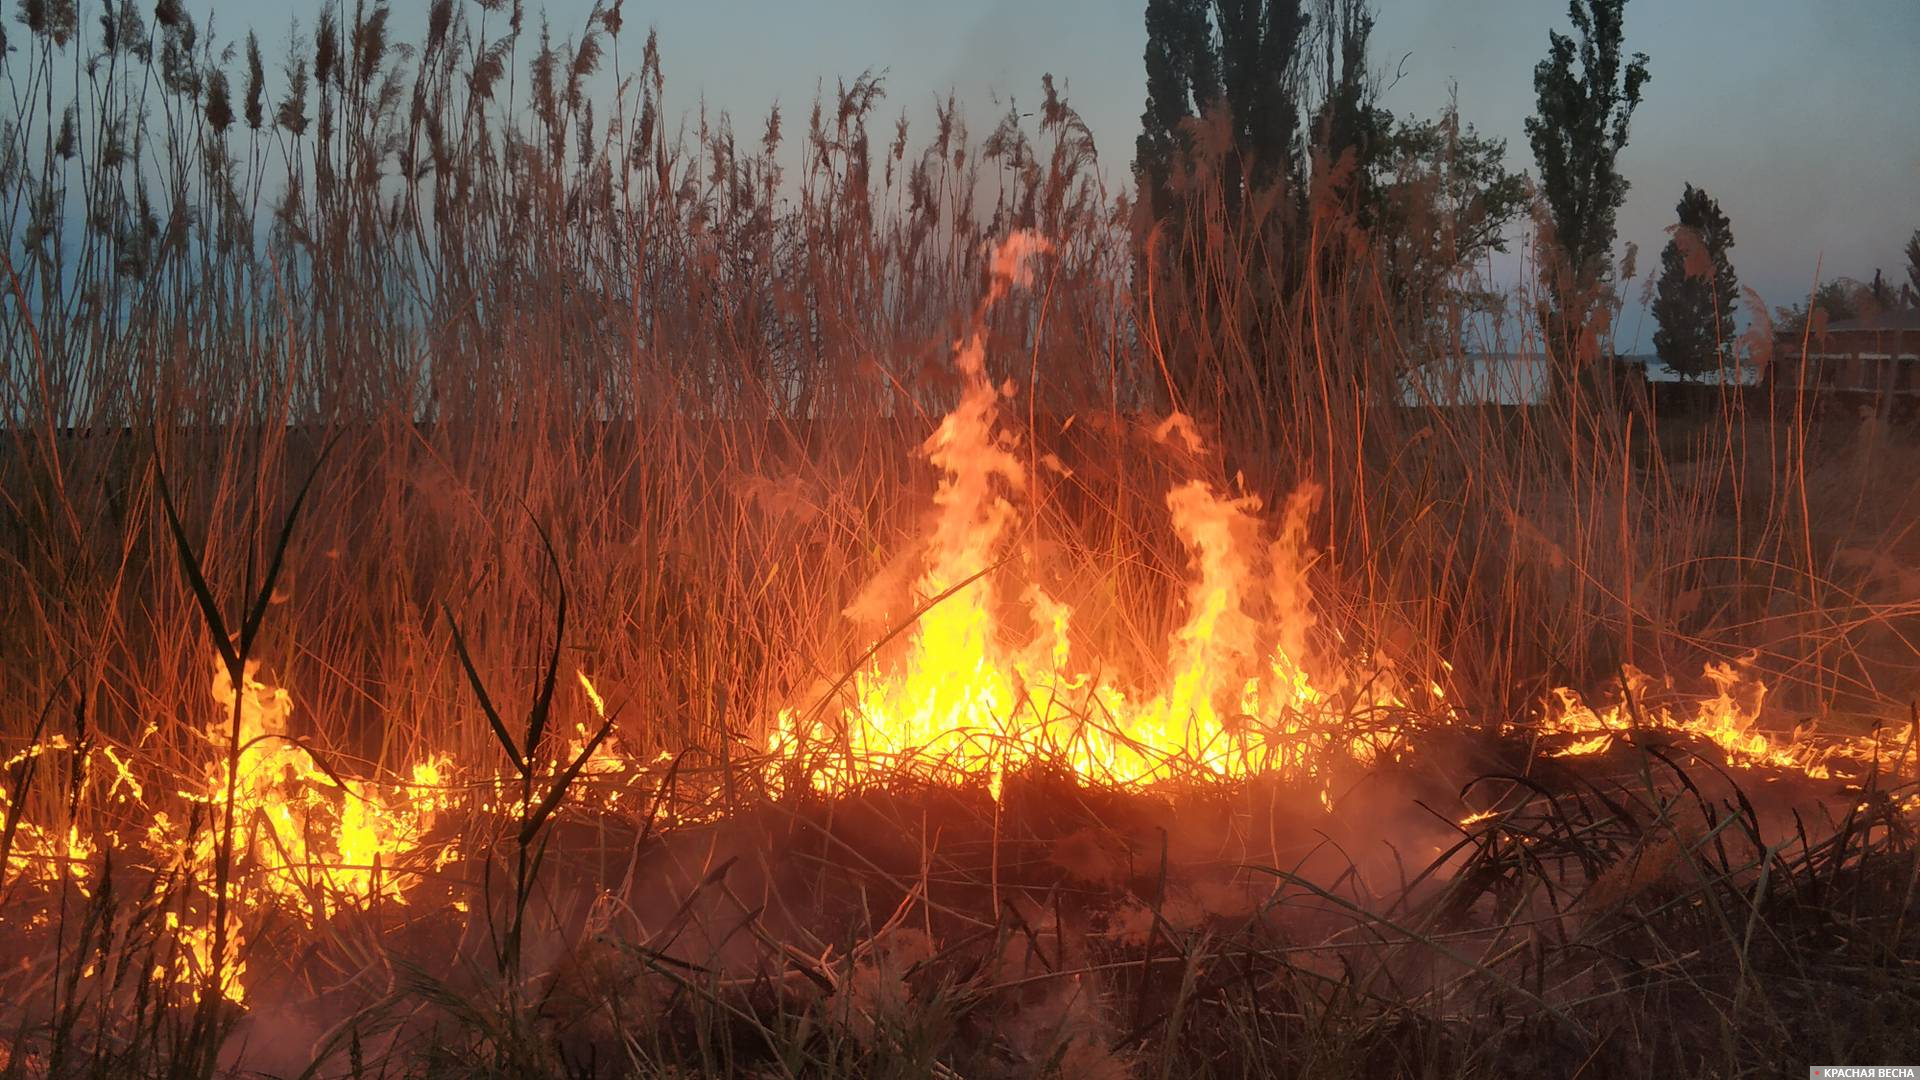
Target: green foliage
(1260,128)
(1240,55)
(1219,150)
(1443,200)
(1585,98)
(1696,295)
(1881,296)
(1252,62)
(1292,161)
(1259,52)
(1835,299)
(1181,70)
(1351,134)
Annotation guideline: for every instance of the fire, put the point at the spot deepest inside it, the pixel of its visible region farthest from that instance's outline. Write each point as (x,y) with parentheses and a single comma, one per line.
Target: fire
(1240,693)
(971,699)
(45,856)
(308,842)
(985,674)
(316,842)
(1728,720)
(39,854)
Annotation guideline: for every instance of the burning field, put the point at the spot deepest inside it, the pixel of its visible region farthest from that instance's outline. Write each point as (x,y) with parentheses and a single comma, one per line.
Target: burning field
(652,624)
(980,846)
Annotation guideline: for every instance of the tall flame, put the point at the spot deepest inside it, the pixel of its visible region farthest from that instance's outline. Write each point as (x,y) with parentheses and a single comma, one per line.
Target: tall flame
(969,700)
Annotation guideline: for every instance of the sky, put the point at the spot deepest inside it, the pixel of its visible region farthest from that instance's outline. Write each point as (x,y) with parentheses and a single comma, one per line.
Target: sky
(1802,117)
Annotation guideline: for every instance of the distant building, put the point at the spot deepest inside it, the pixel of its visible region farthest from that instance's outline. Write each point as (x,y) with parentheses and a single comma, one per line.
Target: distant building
(1876,356)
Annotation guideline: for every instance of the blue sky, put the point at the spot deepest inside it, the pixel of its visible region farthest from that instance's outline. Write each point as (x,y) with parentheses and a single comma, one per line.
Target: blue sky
(1801,116)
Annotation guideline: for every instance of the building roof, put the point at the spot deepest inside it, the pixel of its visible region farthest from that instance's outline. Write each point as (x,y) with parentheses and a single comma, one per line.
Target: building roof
(1893,320)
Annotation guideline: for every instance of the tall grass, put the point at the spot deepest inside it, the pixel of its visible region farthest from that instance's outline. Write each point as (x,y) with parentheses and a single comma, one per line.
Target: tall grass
(516,291)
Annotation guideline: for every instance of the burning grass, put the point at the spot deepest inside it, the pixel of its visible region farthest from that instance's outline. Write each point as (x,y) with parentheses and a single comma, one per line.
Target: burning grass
(1540,918)
(731,621)
(971,853)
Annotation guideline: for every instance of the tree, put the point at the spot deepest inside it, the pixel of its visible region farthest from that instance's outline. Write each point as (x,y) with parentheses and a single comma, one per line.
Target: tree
(1697,292)
(1880,295)
(1183,76)
(1840,298)
(1584,100)
(1251,124)
(1223,109)
(1351,134)
(1240,54)
(1445,199)
(1913,269)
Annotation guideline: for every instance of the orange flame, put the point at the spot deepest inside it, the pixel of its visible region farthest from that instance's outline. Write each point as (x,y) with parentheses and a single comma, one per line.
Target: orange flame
(968,701)
(307,841)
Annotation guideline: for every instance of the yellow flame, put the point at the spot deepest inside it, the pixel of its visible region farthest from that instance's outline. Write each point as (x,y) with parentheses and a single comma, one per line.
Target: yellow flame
(972,699)
(1729,720)
(315,843)
(308,842)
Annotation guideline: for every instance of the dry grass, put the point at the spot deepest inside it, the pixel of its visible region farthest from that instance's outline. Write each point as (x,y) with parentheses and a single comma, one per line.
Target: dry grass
(562,342)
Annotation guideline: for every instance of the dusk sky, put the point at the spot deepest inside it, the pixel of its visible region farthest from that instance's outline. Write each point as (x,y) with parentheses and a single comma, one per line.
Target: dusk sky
(1801,117)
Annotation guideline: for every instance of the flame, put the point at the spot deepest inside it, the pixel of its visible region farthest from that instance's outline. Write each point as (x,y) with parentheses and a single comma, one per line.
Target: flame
(308,842)
(46,856)
(970,699)
(1729,720)
(314,841)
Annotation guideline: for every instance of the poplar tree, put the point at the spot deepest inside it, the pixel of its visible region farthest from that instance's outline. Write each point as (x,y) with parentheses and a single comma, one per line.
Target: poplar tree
(1586,92)
(1697,291)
